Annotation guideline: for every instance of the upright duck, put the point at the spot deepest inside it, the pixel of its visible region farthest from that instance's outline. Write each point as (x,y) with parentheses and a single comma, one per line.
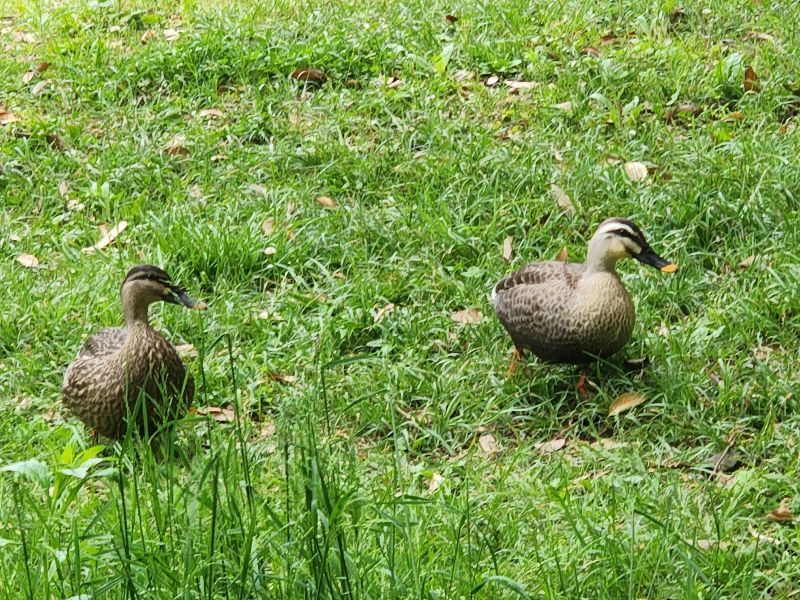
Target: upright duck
(131,372)
(575,312)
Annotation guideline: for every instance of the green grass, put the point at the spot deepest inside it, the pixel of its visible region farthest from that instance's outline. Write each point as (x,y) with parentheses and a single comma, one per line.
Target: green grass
(321,486)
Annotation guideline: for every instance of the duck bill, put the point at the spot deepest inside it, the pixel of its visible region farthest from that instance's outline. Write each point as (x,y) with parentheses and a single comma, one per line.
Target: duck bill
(648,257)
(182,298)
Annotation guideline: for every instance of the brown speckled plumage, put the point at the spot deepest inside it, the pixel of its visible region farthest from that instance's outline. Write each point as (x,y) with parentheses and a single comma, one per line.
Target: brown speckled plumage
(122,370)
(570,312)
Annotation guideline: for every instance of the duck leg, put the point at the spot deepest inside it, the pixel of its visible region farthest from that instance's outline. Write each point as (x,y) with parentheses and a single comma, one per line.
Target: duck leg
(513,363)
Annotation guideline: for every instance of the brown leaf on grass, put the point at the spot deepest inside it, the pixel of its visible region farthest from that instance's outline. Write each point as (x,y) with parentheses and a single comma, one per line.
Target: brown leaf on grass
(562,199)
(39,88)
(491,81)
(591,51)
(281,378)
(268,226)
(635,171)
(736,115)
(758,36)
(625,402)
(25,37)
(467,316)
(107,237)
(309,75)
(220,415)
(31,74)
(520,85)
(685,109)
(63,190)
(488,444)
(208,113)
(147,36)
(327,202)
(507,250)
(613,160)
(270,250)
(393,82)
(563,255)
(176,147)
(763,537)
(7,117)
(257,189)
(553,445)
(747,262)
(750,79)
(708,544)
(186,351)
(607,39)
(382,312)
(434,482)
(782,514)
(463,75)
(28,260)
(726,461)
(565,106)
(450,19)
(171,35)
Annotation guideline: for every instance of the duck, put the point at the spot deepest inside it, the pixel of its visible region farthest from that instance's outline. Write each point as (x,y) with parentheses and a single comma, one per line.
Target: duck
(575,313)
(132,374)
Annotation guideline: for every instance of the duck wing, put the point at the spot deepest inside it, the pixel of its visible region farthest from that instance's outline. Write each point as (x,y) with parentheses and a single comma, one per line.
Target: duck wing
(104,342)
(534,305)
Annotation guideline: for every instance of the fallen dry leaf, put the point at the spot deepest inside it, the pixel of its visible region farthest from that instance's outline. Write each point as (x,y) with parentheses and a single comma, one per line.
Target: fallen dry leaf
(32,73)
(747,262)
(590,51)
(563,255)
(708,544)
(750,79)
(689,109)
(763,537)
(521,85)
(624,402)
(507,250)
(309,75)
(147,36)
(258,189)
(14,237)
(107,237)
(28,260)
(782,514)
(736,115)
(467,316)
(726,461)
(220,415)
(39,88)
(635,171)
(491,81)
(607,39)
(268,226)
(186,350)
(7,117)
(176,147)
(607,444)
(463,75)
(382,312)
(450,19)
(552,446)
(565,106)
(435,481)
(63,189)
(171,34)
(562,199)
(281,378)
(759,36)
(488,444)
(210,113)
(327,202)
(270,250)
(393,82)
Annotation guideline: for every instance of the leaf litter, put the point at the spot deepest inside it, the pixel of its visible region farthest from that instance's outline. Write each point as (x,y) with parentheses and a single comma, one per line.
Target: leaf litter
(625,402)
(106,237)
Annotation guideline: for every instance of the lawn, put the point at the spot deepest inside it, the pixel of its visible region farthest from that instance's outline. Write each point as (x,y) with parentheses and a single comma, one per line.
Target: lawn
(357,434)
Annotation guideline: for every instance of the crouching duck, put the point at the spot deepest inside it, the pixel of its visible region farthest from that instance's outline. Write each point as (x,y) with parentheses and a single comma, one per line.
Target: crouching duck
(131,374)
(575,312)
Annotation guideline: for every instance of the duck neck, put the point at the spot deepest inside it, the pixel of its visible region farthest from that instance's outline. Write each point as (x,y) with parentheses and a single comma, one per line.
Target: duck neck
(134,310)
(598,260)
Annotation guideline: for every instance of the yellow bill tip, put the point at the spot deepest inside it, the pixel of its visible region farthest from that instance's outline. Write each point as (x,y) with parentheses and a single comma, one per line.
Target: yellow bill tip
(670,268)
